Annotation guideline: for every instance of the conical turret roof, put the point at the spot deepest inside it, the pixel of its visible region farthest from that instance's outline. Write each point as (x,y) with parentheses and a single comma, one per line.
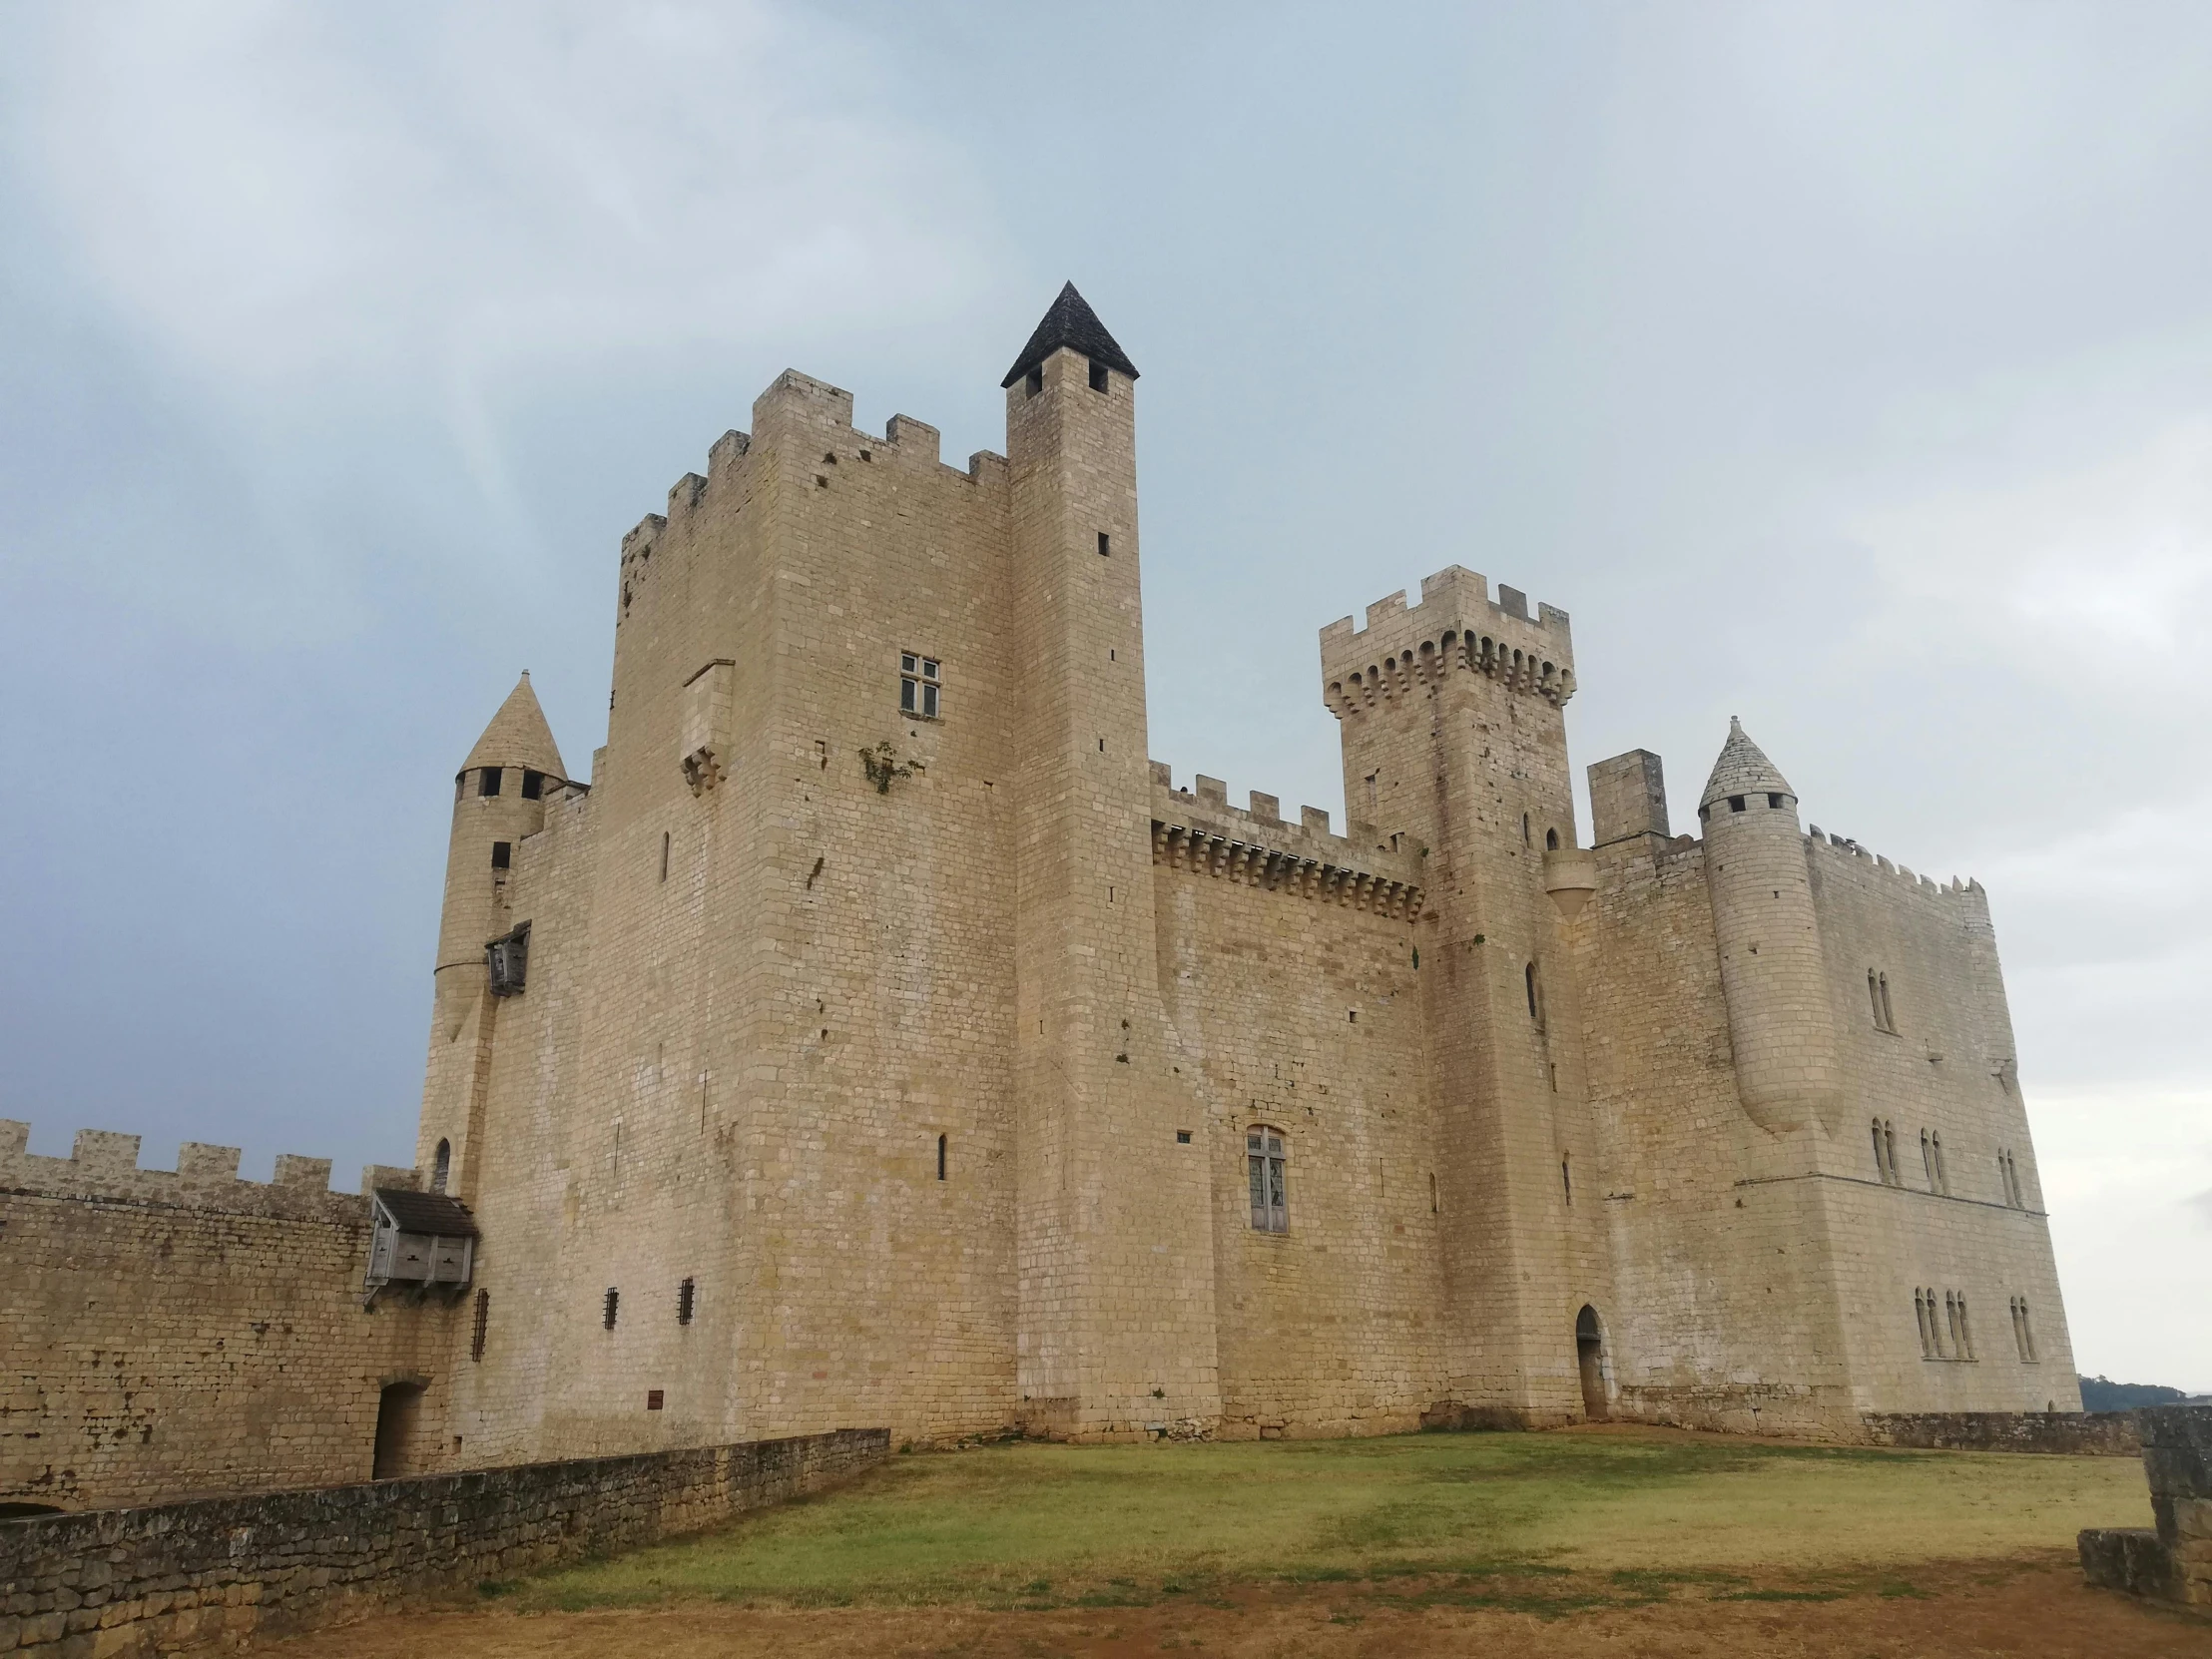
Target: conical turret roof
(518,736)
(1743,768)
(1070,323)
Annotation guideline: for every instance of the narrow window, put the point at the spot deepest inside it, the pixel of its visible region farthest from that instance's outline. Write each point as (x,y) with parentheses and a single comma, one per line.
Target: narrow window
(502,854)
(484,1325)
(612,1305)
(1551,840)
(1735,802)
(1265,1160)
(1534,986)
(1873,998)
(1889,1016)
(487,780)
(1105,545)
(1566,1179)
(460,784)
(1098,375)
(1920,1315)
(2027,1332)
(1524,840)
(1942,1181)
(442,1167)
(533,786)
(1432,1192)
(1951,1323)
(919,679)
(1890,1147)
(1928,1160)
(940,1157)
(1966,1329)
(687,1299)
(1033,382)
(1881,1173)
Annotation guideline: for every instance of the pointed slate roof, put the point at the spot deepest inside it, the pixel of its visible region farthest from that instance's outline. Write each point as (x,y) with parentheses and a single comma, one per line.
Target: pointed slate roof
(518,736)
(1070,323)
(1743,768)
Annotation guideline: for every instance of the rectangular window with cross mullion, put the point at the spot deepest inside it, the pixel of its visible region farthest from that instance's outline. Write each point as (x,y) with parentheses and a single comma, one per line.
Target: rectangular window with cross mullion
(920,683)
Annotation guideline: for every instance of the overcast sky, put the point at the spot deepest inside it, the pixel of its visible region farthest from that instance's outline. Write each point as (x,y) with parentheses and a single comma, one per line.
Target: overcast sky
(1848,368)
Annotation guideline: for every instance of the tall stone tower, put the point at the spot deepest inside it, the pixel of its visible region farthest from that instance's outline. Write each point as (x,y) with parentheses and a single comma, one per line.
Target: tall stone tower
(1454,747)
(1780,1022)
(1113,1240)
(499,798)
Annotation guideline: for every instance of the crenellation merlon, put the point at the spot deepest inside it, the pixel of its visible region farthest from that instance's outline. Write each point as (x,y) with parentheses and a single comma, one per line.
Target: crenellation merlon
(683,494)
(729,449)
(104,1165)
(1457,624)
(917,439)
(793,397)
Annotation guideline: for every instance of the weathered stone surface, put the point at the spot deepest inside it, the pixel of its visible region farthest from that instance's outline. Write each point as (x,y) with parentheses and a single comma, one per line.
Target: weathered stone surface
(291,1561)
(2104,1433)
(2172,1562)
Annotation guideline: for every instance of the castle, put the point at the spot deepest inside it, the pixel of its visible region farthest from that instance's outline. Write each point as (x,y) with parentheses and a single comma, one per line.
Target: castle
(881,1037)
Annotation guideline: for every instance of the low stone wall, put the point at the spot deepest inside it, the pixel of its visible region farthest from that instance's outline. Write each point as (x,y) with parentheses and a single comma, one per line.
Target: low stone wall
(2103,1433)
(2173,1560)
(214,1573)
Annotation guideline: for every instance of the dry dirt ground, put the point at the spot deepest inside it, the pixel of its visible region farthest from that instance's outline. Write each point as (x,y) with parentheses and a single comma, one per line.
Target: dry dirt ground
(2031,1605)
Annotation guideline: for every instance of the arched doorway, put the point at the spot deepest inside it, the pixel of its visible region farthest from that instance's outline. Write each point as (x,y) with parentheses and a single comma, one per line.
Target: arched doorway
(396,1409)
(1589,1355)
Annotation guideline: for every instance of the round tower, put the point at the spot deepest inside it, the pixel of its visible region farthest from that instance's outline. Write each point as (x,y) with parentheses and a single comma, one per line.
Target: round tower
(499,797)
(1780,1021)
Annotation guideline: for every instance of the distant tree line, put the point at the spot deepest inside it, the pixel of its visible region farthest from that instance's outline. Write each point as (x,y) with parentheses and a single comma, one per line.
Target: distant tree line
(2101,1394)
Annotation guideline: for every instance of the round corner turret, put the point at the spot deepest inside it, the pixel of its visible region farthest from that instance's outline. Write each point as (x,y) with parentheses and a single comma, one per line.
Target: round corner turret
(1773,974)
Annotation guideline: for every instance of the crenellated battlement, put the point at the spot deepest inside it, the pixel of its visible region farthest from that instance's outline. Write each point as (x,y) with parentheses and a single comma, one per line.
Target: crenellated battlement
(798,399)
(793,400)
(103,1166)
(1840,846)
(1456,626)
(1197,830)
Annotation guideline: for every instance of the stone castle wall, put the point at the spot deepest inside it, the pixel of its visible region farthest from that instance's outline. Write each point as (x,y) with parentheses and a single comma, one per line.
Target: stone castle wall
(1939,1063)
(166,1333)
(883,1066)
(740,1044)
(1682,1165)
(1287,962)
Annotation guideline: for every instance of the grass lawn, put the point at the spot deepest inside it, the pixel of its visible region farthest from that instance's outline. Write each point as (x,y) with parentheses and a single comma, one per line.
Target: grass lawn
(1572,1518)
